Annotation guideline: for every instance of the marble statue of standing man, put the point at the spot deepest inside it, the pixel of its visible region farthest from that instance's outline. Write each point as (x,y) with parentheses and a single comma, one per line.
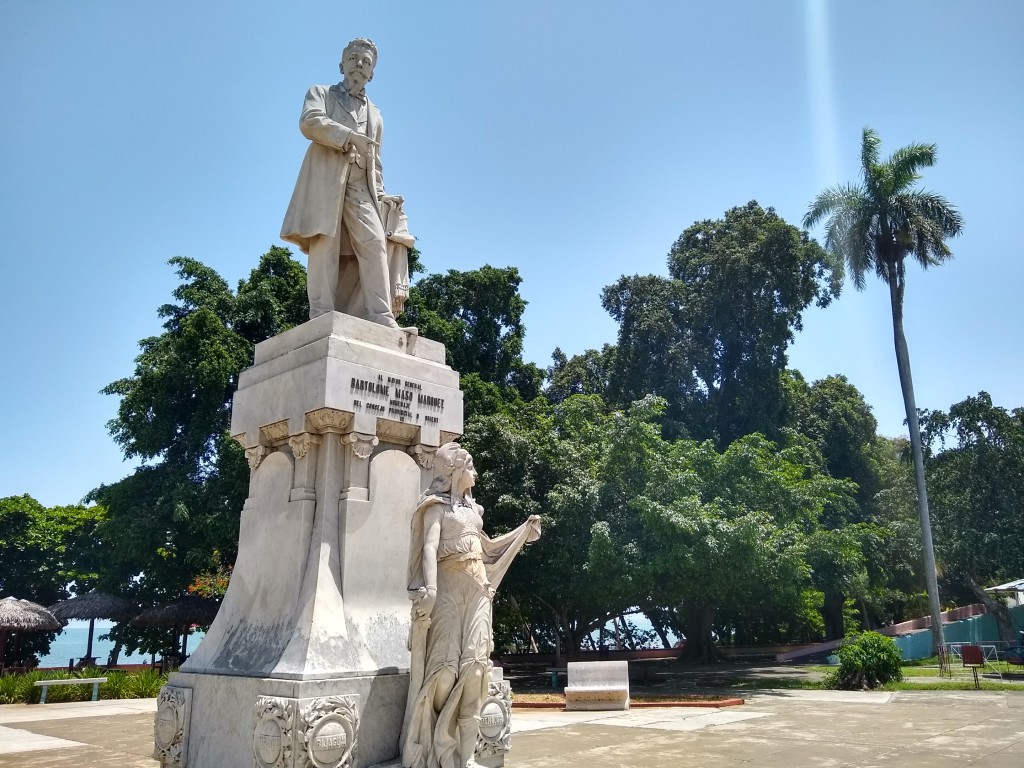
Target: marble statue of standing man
(339,213)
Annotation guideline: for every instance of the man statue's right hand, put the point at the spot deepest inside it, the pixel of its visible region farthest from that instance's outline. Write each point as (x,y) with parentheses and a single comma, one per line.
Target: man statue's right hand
(363,144)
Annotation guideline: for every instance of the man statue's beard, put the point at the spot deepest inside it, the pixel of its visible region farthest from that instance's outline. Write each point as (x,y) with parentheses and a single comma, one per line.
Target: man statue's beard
(355,83)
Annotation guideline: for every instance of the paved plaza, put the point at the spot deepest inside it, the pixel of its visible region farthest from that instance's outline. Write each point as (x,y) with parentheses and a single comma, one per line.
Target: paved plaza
(789,729)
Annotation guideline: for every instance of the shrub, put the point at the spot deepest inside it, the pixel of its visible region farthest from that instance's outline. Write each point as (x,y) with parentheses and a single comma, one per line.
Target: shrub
(18,689)
(116,687)
(866,660)
(145,684)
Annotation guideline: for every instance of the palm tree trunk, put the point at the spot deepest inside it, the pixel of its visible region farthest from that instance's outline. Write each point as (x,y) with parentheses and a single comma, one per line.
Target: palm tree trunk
(896,285)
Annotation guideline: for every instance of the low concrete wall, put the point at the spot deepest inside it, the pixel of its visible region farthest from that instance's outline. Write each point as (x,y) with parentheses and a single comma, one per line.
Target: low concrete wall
(609,655)
(974,629)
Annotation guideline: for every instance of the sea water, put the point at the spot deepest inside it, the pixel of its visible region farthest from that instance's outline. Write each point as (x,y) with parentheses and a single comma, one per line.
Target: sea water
(74,639)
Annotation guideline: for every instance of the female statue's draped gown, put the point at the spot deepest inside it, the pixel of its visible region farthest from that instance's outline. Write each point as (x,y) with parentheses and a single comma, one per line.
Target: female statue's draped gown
(470,566)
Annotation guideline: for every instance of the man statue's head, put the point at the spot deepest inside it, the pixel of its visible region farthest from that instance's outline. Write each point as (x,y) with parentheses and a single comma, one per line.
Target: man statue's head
(357,62)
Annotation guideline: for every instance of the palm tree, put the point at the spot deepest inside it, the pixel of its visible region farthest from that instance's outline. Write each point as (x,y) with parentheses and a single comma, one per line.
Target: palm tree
(874,226)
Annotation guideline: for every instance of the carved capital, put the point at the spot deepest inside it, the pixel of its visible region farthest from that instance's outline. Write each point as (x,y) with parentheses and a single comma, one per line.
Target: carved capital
(239,438)
(361,445)
(255,455)
(327,732)
(424,454)
(400,432)
(276,432)
(170,727)
(300,444)
(328,420)
(273,739)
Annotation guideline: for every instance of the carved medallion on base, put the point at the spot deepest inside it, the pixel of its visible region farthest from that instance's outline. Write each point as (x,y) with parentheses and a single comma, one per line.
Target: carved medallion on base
(272,741)
(329,727)
(495,738)
(170,728)
(305,733)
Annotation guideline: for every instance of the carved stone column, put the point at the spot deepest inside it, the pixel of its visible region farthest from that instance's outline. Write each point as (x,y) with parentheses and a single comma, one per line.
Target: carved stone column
(356,480)
(305,447)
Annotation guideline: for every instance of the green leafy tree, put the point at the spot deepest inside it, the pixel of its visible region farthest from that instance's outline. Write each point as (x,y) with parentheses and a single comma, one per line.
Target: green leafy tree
(874,226)
(729,530)
(478,316)
(712,337)
(562,462)
(978,497)
(45,552)
(891,541)
(168,520)
(583,374)
(833,414)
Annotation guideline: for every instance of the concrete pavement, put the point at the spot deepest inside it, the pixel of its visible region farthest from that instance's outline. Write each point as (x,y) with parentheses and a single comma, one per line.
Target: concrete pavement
(788,729)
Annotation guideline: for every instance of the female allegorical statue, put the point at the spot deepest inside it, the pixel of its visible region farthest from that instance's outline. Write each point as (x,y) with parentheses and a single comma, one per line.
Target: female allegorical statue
(454,569)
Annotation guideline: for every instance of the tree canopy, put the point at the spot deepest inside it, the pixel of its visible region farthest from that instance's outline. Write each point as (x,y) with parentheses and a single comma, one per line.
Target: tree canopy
(46,550)
(976,474)
(711,338)
(684,472)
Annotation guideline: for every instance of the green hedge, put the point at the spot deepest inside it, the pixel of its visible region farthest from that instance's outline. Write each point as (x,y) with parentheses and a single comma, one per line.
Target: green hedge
(21,689)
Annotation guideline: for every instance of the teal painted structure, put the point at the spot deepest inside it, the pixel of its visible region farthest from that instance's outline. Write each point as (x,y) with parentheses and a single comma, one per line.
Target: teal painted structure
(976,629)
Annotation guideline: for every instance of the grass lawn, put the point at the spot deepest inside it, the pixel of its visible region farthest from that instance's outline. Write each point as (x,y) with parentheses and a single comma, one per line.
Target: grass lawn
(916,678)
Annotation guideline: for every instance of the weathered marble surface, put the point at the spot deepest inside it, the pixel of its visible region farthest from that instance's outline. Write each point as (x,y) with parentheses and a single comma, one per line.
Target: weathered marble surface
(226,718)
(317,606)
(312,367)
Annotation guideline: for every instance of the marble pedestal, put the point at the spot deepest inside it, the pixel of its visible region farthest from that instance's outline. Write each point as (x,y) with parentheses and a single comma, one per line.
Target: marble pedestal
(307,663)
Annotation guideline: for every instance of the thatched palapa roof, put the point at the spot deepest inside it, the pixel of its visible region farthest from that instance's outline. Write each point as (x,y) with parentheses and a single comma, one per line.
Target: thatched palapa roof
(190,609)
(22,615)
(94,605)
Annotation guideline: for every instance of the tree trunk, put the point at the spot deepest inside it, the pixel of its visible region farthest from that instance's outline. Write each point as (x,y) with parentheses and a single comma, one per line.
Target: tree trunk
(864,617)
(527,628)
(896,285)
(700,644)
(832,613)
(115,654)
(628,634)
(659,622)
(665,643)
(572,639)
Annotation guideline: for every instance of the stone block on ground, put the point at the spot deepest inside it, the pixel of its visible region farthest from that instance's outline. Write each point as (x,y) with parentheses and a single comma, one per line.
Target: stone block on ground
(597,685)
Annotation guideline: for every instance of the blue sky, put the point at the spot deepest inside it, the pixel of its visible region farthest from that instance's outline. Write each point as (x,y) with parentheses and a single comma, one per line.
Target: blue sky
(574,140)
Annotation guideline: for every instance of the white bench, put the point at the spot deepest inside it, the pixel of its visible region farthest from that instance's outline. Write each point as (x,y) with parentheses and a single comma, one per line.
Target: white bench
(94,681)
(597,685)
